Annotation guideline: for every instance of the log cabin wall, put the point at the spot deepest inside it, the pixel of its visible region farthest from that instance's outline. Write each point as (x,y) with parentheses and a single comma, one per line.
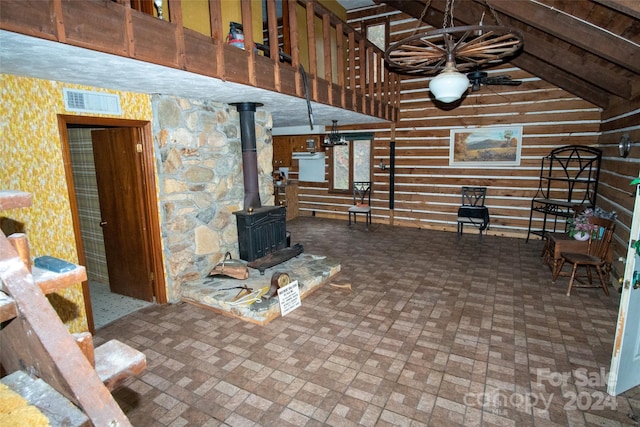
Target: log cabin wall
(427,189)
(615,191)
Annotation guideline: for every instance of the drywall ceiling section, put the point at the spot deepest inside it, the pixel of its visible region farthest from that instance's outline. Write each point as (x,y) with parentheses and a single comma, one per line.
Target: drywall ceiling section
(32,57)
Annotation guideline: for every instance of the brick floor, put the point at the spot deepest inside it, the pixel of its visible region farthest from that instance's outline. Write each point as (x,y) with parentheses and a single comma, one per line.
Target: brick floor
(436,331)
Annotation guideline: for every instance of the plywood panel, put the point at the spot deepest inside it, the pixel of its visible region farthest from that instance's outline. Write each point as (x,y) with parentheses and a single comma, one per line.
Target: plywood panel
(287,80)
(155,40)
(23,15)
(264,73)
(236,64)
(100,26)
(200,53)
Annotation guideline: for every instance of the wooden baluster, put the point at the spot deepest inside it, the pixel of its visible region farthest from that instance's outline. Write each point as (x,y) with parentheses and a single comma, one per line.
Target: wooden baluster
(20,243)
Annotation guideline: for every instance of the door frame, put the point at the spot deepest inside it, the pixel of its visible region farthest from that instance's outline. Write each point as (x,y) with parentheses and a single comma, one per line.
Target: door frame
(150,201)
(624,354)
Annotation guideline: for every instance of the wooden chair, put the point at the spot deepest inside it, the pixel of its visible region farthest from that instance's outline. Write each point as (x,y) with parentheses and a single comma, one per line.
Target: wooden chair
(473,211)
(595,256)
(361,201)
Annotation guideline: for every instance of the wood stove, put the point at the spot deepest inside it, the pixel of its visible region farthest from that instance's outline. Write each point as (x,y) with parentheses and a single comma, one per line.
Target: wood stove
(261,229)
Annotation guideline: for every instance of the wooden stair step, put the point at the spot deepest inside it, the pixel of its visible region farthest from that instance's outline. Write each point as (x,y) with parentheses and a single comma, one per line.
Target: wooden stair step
(116,361)
(37,341)
(50,281)
(10,199)
(56,407)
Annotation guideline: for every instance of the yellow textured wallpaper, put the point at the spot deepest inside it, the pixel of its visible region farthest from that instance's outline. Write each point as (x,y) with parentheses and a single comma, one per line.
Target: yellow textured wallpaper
(31,160)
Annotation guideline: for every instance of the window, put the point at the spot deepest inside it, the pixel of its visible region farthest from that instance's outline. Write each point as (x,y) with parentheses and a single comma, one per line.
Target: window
(377,32)
(351,162)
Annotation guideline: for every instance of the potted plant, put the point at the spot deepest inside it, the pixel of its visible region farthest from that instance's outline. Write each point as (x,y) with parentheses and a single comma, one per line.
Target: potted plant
(580,228)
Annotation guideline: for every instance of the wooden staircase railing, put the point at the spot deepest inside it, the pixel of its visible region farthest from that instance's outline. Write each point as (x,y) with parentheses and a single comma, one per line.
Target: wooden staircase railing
(37,345)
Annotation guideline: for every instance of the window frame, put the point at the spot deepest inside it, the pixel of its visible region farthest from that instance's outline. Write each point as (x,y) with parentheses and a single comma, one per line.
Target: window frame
(373,22)
(350,139)
(364,29)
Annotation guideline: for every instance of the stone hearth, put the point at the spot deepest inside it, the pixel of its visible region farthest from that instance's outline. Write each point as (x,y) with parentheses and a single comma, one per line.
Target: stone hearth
(212,292)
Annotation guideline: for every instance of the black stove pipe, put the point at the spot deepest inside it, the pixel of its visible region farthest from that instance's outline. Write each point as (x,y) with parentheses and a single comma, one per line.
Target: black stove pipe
(247,111)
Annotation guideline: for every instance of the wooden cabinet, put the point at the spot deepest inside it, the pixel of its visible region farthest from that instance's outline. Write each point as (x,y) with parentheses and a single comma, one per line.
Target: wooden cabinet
(285,146)
(287,196)
(306,143)
(282,150)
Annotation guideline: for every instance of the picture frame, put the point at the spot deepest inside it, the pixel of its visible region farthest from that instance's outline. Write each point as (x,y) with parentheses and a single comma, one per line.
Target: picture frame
(485,146)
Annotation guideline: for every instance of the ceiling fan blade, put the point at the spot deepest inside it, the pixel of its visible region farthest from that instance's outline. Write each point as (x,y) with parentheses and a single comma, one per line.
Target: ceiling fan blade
(502,80)
(504,83)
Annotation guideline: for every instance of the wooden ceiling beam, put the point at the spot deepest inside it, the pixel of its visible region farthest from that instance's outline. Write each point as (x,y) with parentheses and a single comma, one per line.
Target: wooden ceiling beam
(574,31)
(572,63)
(628,7)
(579,66)
(569,71)
(562,79)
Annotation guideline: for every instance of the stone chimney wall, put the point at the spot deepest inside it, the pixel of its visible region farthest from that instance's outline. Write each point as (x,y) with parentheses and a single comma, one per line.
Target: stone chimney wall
(199,160)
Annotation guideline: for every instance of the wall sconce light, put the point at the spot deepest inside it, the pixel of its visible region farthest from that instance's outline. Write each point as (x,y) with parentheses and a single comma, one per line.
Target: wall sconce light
(624,145)
(382,165)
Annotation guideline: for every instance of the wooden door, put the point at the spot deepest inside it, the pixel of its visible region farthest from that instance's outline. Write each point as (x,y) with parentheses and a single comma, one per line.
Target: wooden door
(124,224)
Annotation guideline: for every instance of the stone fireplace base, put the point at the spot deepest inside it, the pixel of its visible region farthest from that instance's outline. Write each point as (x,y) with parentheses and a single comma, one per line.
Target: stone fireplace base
(212,292)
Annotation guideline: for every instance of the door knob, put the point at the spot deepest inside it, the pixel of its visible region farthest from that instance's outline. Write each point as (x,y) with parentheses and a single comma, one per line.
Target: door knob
(103,224)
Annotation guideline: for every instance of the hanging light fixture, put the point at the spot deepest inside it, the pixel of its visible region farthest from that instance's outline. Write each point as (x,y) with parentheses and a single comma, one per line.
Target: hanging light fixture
(334,137)
(450,84)
(452,50)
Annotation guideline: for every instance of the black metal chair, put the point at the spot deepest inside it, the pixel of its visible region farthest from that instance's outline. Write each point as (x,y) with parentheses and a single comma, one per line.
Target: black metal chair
(361,201)
(473,211)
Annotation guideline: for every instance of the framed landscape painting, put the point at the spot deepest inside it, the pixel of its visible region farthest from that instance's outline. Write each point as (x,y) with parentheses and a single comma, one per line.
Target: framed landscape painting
(488,146)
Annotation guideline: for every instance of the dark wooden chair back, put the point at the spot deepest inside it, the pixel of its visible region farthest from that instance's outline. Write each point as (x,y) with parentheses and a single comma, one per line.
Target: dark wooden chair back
(600,237)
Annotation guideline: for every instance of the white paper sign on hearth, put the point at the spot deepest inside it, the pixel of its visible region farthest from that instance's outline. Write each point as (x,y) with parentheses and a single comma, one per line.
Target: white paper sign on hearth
(289,297)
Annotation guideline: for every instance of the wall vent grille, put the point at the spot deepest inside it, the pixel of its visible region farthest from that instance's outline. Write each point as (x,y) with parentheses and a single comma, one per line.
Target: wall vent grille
(83,101)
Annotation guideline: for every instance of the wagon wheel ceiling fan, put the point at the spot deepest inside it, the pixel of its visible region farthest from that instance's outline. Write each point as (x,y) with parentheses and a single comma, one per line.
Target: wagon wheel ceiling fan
(449,50)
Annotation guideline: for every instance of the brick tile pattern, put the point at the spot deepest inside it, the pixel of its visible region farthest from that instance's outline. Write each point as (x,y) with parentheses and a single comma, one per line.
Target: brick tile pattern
(437,331)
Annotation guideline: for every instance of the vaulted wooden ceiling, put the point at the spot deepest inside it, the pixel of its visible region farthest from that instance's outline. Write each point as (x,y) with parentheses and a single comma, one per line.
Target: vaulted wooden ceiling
(590,48)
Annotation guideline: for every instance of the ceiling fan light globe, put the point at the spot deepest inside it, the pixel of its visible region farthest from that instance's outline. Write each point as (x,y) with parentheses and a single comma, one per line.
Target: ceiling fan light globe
(449,86)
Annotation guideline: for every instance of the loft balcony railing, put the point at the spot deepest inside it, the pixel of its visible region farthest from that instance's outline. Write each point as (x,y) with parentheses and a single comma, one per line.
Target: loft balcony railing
(341,67)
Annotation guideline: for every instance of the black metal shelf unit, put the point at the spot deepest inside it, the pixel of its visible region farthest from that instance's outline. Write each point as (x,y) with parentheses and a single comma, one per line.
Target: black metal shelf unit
(568,178)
